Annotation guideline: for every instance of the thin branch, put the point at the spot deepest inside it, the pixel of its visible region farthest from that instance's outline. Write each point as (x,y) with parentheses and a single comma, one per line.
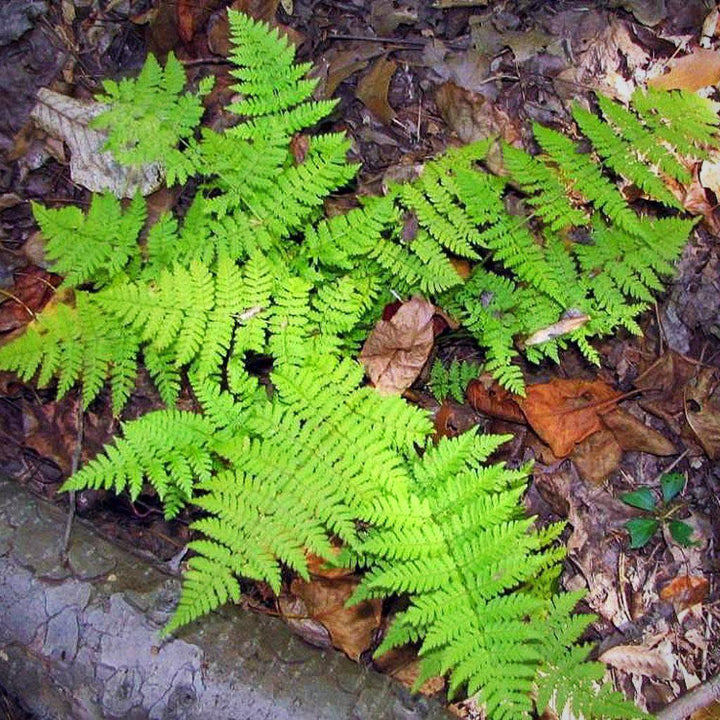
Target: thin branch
(698,698)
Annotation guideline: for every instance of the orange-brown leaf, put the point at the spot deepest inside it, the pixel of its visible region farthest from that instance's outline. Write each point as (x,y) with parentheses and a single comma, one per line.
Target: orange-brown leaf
(692,72)
(565,412)
(494,401)
(352,629)
(685,591)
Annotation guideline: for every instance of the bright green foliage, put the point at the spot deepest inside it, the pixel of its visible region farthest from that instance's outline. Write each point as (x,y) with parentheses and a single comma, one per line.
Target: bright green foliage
(75,343)
(95,247)
(452,381)
(288,461)
(470,561)
(150,116)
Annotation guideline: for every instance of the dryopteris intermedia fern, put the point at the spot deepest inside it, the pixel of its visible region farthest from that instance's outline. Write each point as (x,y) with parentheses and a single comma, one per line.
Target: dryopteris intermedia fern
(452,381)
(283,465)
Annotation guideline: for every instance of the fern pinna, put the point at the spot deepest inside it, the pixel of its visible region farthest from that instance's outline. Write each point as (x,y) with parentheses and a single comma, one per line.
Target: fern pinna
(276,467)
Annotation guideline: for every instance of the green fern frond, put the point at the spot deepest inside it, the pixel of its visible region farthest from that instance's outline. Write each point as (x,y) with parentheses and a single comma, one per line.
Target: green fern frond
(169,448)
(79,344)
(452,381)
(97,246)
(149,116)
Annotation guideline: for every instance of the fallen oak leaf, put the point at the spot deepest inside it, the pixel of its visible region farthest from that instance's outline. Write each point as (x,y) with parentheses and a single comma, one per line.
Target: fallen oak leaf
(397,349)
(565,412)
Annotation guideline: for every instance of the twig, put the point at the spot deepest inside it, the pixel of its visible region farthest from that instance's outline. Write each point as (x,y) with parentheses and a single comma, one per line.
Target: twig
(700,697)
(73,469)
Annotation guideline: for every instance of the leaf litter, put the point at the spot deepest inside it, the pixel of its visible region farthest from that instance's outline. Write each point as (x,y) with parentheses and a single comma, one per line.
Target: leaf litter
(592,440)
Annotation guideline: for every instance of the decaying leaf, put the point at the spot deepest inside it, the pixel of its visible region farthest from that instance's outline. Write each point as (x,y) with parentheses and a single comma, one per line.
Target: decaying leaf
(352,629)
(490,399)
(397,349)
(685,591)
(32,290)
(702,410)
(692,72)
(638,660)
(565,412)
(634,435)
(710,176)
(597,457)
(471,117)
(372,89)
(69,120)
(295,613)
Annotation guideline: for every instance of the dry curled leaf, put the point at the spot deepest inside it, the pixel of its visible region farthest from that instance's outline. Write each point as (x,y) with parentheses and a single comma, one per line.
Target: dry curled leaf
(634,435)
(562,327)
(490,399)
(597,456)
(702,410)
(353,628)
(372,89)
(397,349)
(69,119)
(638,660)
(565,412)
(32,290)
(685,591)
(691,72)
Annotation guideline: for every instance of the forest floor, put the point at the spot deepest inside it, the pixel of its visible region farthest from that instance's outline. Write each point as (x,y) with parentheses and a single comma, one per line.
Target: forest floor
(413,78)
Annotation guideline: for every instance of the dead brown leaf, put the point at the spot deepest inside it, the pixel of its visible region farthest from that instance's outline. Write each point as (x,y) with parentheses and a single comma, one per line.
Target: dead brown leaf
(372,89)
(639,660)
(597,456)
(663,385)
(685,591)
(295,613)
(352,629)
(402,663)
(32,290)
(695,71)
(192,15)
(490,399)
(702,410)
(634,435)
(397,349)
(264,10)
(471,117)
(565,412)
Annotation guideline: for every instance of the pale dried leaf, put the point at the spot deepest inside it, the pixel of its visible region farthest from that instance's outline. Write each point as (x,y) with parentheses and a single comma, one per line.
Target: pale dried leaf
(710,176)
(692,72)
(562,327)
(69,120)
(638,660)
(397,349)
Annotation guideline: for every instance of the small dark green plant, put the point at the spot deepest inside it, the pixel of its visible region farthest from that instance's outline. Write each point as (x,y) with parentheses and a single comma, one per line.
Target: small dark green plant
(451,381)
(642,529)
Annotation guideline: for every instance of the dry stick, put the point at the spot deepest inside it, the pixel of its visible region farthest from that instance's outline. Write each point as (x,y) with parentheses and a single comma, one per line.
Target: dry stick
(73,469)
(703,695)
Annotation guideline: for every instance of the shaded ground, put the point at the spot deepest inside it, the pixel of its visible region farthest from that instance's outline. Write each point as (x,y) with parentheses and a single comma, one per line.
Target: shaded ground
(413,79)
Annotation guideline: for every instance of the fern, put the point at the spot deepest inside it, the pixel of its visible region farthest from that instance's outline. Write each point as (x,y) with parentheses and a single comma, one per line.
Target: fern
(148,117)
(277,465)
(452,381)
